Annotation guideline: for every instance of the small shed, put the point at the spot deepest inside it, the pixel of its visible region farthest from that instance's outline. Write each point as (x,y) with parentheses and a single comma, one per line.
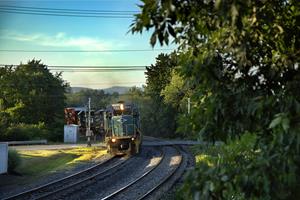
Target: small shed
(71,133)
(3,157)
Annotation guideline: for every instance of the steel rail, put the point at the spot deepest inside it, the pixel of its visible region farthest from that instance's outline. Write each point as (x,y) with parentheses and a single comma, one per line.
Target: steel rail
(38,189)
(167,178)
(134,181)
(78,182)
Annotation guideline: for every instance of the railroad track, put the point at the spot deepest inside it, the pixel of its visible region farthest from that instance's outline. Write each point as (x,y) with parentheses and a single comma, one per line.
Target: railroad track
(166,178)
(130,188)
(162,168)
(52,188)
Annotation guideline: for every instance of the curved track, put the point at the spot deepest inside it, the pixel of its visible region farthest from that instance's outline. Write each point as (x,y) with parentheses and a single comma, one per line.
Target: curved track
(144,184)
(164,180)
(144,176)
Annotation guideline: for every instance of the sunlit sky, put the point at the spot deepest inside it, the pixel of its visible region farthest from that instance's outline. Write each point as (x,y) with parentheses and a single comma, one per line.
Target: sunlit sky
(35,32)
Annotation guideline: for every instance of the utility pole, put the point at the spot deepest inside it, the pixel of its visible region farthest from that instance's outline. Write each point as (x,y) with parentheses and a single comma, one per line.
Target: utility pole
(88,130)
(189,105)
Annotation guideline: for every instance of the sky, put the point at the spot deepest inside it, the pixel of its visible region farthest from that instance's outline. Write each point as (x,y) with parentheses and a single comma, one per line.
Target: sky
(40,32)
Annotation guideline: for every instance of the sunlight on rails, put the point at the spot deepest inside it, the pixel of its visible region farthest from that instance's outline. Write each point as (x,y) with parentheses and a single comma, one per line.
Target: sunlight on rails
(174,160)
(153,162)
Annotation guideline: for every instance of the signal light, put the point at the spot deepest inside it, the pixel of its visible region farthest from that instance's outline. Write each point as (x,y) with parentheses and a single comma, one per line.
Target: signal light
(113,140)
(132,138)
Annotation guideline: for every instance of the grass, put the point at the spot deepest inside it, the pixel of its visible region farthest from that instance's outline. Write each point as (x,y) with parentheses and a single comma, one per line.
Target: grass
(41,162)
(36,164)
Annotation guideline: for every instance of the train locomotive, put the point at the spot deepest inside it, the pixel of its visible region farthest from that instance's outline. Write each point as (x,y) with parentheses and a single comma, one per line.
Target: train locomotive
(122,129)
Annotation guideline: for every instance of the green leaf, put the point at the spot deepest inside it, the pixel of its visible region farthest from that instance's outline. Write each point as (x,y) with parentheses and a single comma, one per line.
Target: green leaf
(161,38)
(275,122)
(153,39)
(285,124)
(171,31)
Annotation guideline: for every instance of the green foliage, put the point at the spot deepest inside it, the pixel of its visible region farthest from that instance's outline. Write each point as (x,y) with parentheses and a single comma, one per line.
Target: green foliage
(158,118)
(100,99)
(241,62)
(134,95)
(230,58)
(174,91)
(25,132)
(14,160)
(30,94)
(241,169)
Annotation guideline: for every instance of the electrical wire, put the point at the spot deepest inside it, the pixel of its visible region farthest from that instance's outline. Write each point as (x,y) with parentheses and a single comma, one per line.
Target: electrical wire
(84,51)
(66,9)
(79,84)
(69,68)
(66,15)
(101,70)
(67,12)
(86,66)
(97,67)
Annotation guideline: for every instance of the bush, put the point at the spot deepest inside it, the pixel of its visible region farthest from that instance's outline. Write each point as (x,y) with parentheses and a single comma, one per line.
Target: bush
(56,134)
(14,160)
(242,169)
(25,132)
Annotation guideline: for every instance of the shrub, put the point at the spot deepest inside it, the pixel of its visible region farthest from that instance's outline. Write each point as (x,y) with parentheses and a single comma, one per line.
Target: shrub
(14,160)
(56,133)
(25,132)
(245,168)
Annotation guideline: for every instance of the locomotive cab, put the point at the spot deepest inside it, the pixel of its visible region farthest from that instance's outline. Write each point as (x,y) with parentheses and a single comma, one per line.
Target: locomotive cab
(123,132)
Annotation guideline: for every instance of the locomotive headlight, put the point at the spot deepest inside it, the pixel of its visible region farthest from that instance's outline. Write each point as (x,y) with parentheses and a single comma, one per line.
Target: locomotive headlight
(113,140)
(132,138)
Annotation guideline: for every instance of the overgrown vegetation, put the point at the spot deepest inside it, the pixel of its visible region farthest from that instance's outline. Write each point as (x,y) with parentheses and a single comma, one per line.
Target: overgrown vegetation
(238,61)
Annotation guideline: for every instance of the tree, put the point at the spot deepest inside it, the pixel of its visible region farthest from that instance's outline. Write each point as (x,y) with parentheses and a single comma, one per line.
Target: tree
(30,94)
(228,49)
(242,61)
(156,111)
(99,98)
(159,75)
(174,92)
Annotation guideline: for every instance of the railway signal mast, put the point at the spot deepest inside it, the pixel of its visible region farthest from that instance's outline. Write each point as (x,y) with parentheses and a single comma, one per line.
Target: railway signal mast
(88,129)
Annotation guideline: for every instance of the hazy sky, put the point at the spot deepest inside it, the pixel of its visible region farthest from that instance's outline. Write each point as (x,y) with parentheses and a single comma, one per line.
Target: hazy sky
(35,32)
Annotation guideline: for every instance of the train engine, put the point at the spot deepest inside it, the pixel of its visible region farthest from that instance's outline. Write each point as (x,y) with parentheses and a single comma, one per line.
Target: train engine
(122,127)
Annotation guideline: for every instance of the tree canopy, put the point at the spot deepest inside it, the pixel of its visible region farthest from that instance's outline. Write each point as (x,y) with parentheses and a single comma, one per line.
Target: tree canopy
(240,61)
(31,94)
(99,99)
(244,50)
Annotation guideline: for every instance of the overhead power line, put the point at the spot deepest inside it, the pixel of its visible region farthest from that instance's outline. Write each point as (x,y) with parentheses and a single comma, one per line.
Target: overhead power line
(67,12)
(96,70)
(84,51)
(97,67)
(66,15)
(69,68)
(78,84)
(66,9)
(86,66)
